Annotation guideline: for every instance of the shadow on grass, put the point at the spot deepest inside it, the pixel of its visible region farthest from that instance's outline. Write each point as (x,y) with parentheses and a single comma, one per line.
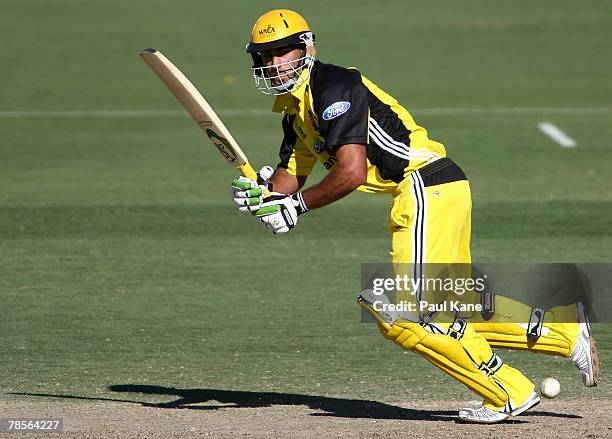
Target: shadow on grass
(196,399)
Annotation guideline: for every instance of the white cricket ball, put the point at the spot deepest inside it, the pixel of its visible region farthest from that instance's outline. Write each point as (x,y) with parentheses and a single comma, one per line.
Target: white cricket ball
(550,387)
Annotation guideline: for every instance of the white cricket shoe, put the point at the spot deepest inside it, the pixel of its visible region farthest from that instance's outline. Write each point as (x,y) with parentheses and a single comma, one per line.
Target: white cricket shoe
(584,355)
(482,415)
(532,401)
(485,415)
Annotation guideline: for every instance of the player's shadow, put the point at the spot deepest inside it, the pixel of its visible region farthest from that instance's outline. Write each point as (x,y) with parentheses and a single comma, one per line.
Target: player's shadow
(214,399)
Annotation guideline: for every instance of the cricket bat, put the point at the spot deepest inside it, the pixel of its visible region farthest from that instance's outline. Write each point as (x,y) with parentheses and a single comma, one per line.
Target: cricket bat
(195,104)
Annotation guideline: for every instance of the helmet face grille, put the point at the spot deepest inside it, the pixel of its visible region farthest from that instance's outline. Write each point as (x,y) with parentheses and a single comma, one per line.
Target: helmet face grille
(279,79)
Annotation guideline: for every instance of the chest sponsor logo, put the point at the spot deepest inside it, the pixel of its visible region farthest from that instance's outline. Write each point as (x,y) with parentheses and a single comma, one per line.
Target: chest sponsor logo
(336,109)
(318,146)
(330,162)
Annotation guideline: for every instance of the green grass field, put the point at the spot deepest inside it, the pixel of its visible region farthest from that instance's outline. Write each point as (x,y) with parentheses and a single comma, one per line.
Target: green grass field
(123,262)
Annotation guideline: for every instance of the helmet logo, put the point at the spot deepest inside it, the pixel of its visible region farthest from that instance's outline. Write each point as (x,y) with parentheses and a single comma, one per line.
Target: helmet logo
(336,109)
(267,30)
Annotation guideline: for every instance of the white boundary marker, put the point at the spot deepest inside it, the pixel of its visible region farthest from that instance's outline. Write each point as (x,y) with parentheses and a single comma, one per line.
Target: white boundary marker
(555,133)
(502,111)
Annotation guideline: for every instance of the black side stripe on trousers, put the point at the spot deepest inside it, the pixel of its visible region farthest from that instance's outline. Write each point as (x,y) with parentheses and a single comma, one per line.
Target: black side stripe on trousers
(418,232)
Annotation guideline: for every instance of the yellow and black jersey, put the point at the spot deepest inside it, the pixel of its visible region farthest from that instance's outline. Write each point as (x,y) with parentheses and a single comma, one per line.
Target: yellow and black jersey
(336,106)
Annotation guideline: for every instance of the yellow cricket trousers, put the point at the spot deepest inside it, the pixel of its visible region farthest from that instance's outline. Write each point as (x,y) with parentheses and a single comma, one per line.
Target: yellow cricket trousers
(430,222)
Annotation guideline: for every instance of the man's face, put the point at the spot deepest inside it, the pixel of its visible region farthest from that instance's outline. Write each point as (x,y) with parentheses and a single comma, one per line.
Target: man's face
(281,63)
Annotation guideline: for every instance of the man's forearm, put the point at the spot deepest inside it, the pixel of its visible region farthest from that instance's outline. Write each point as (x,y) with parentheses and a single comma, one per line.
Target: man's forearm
(286,183)
(330,189)
(348,174)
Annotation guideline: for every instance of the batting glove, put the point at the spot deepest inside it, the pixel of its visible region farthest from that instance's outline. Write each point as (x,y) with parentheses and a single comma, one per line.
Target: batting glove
(279,212)
(249,194)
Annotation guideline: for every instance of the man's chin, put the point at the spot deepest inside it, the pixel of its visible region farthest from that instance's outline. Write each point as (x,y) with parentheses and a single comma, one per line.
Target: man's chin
(284,81)
(283,87)
(284,84)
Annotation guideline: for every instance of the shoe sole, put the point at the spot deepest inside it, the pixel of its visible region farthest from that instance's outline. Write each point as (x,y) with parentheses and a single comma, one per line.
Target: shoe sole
(594,363)
(595,367)
(480,421)
(476,420)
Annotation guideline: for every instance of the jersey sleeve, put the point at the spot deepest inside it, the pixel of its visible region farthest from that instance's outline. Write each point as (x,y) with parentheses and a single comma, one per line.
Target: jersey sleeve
(343,110)
(294,157)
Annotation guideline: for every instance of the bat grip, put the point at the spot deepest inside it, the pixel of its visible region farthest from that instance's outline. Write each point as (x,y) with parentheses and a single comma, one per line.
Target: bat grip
(248,171)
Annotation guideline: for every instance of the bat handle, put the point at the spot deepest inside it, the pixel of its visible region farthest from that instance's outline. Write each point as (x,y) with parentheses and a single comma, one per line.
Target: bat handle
(248,171)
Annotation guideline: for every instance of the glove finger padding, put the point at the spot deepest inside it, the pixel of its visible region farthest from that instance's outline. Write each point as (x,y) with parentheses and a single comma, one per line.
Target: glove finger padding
(248,194)
(271,204)
(249,200)
(243,183)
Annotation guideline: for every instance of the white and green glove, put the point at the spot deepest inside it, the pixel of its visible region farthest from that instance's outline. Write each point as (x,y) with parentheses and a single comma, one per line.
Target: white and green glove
(279,212)
(249,194)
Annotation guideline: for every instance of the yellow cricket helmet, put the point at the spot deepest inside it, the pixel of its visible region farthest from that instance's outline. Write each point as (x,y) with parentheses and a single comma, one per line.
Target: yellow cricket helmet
(279,28)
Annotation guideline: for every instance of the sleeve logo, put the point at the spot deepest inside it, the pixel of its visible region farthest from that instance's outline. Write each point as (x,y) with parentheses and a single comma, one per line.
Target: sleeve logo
(336,109)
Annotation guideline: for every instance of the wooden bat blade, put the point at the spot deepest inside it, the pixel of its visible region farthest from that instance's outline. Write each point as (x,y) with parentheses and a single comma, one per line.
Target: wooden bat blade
(199,109)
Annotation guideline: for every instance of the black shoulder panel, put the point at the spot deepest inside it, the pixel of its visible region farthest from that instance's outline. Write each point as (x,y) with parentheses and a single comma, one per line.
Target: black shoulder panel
(340,104)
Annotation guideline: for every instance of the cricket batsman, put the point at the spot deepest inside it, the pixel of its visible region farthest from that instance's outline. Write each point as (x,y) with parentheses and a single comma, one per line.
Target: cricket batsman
(368,142)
